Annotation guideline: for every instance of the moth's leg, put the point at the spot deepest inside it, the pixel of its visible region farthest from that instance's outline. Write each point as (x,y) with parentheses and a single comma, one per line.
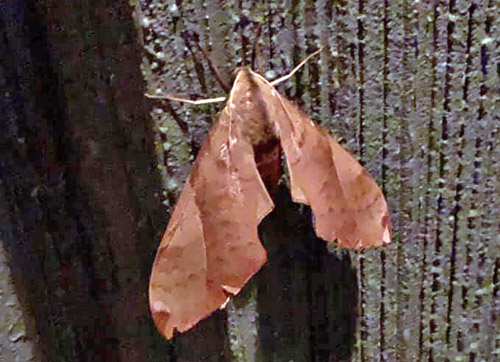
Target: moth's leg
(183,125)
(254,33)
(195,38)
(188,37)
(256,52)
(198,66)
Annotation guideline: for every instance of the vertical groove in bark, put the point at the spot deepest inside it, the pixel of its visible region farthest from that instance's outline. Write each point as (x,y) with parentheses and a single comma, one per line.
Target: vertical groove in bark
(385,30)
(431,150)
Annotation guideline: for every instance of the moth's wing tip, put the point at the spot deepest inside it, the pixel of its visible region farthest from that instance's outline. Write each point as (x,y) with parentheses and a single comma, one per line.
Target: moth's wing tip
(230,291)
(381,238)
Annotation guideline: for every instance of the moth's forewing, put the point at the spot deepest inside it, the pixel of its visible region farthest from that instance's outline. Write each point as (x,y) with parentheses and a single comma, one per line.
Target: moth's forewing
(211,247)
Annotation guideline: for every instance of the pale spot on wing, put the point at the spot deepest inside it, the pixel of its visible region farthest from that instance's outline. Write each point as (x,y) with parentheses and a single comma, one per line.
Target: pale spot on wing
(225,303)
(230,289)
(160,307)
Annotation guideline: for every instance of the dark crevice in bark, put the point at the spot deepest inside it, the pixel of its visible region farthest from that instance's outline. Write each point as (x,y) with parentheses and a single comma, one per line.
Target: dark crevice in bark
(459,186)
(385,92)
(296,54)
(496,298)
(361,151)
(361,65)
(442,165)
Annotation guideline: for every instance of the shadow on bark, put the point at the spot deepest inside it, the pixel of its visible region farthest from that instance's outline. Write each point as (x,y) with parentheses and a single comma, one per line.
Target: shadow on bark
(307,297)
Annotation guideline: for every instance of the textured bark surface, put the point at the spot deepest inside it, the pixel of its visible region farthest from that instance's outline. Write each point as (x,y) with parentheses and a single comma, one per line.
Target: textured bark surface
(79,179)
(17,337)
(88,181)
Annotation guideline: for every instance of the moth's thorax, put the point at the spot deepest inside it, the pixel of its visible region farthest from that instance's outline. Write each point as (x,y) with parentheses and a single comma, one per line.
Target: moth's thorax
(248,109)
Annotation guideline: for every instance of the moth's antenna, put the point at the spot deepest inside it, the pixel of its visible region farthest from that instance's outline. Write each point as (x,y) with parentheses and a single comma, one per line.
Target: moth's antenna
(185,100)
(294,70)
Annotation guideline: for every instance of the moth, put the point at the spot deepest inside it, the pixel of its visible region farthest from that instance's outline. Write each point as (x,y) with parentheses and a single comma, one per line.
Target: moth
(211,246)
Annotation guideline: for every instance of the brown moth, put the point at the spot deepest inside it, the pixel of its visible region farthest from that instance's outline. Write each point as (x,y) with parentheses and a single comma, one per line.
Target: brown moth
(211,246)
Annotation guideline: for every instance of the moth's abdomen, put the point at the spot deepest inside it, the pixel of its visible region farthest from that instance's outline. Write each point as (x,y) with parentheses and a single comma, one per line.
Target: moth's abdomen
(268,160)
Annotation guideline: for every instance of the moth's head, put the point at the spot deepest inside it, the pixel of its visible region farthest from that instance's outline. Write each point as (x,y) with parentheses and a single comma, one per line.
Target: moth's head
(241,73)
(244,83)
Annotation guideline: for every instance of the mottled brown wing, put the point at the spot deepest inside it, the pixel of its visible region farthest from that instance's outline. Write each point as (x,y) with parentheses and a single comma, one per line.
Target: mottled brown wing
(348,205)
(211,247)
